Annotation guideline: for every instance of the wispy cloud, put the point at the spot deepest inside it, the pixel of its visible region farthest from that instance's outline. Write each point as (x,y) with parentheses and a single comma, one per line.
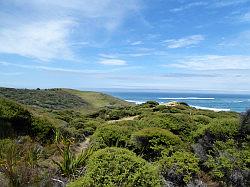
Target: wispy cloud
(108,55)
(48,68)
(136,43)
(114,62)
(245,17)
(184,42)
(45,30)
(189,6)
(237,42)
(190,75)
(43,41)
(225,3)
(214,62)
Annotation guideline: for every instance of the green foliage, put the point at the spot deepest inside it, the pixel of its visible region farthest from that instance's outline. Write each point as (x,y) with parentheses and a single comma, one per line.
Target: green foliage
(14,119)
(159,132)
(43,129)
(150,104)
(70,162)
(160,108)
(244,130)
(180,124)
(224,128)
(115,113)
(117,167)
(19,161)
(180,168)
(228,159)
(48,98)
(150,142)
(112,135)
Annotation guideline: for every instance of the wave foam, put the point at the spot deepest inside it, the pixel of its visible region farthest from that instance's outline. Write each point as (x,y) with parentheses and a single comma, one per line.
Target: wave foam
(136,102)
(186,98)
(209,108)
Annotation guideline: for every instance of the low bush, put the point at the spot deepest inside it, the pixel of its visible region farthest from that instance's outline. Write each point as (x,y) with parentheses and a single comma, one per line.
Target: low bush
(112,135)
(150,142)
(42,129)
(224,128)
(14,119)
(229,163)
(180,168)
(117,167)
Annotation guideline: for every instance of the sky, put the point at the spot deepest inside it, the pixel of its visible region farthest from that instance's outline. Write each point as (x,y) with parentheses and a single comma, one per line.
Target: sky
(181,45)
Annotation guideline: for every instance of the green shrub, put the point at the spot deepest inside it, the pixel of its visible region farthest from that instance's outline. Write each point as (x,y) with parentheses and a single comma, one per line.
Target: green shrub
(14,119)
(180,168)
(244,130)
(224,128)
(227,158)
(180,124)
(43,129)
(117,167)
(160,108)
(149,104)
(112,135)
(150,142)
(70,162)
(201,119)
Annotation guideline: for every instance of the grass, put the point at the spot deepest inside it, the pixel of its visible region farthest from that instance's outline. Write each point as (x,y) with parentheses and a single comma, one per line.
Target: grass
(97,100)
(61,99)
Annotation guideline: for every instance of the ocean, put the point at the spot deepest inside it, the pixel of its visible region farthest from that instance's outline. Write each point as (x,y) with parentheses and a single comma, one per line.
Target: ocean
(216,102)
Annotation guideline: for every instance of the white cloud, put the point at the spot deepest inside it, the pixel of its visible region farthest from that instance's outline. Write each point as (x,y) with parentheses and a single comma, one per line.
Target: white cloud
(214,62)
(45,30)
(225,3)
(115,62)
(136,43)
(189,6)
(184,42)
(43,41)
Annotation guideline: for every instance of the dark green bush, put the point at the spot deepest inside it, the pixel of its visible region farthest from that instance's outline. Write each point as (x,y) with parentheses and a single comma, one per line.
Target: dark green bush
(224,128)
(117,167)
(180,168)
(43,129)
(150,142)
(14,119)
(160,108)
(112,135)
(244,130)
(229,163)
(180,124)
(149,104)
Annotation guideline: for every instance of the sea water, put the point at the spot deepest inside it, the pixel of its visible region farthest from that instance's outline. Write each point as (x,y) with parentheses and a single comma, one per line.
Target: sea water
(216,102)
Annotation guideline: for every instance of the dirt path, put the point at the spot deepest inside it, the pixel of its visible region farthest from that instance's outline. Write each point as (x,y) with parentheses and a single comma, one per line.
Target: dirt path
(82,146)
(85,144)
(124,119)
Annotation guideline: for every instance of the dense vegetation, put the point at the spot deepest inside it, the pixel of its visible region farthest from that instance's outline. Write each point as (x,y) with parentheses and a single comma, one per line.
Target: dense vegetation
(58,136)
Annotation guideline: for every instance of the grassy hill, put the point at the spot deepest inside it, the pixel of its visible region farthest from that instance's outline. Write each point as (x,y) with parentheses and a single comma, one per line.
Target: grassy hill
(58,99)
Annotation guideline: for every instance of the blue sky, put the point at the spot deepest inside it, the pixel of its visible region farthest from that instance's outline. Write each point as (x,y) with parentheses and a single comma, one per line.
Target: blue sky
(180,45)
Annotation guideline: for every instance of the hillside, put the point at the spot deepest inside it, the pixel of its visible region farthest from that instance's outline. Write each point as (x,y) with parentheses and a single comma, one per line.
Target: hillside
(48,141)
(58,99)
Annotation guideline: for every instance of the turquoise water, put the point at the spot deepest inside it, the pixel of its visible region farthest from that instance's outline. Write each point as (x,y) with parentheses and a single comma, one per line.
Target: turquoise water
(226,102)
